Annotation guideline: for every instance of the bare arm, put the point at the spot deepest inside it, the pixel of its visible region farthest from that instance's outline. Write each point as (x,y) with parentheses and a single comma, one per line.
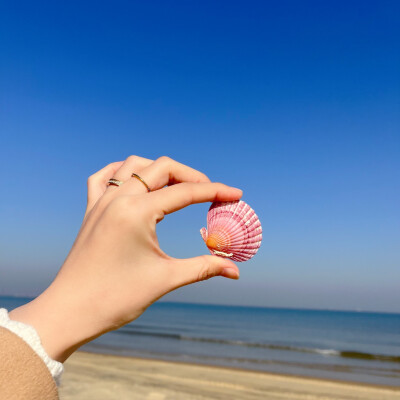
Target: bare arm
(116,269)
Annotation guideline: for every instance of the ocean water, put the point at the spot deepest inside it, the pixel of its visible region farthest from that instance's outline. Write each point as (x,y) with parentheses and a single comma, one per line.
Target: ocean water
(353,346)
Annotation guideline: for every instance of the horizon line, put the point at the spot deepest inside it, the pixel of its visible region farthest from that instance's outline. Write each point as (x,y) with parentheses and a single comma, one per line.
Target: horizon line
(245,306)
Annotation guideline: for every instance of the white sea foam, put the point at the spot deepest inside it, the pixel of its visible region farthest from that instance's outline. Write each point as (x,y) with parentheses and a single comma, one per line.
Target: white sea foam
(327,352)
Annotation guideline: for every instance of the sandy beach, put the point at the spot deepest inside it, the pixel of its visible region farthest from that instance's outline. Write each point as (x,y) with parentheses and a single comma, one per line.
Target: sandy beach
(104,377)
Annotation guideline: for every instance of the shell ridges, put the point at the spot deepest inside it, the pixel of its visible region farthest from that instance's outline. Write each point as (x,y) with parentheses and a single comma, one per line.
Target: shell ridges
(233,230)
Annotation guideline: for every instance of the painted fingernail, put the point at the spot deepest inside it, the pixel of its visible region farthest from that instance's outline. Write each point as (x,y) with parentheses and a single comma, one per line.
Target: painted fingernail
(230,273)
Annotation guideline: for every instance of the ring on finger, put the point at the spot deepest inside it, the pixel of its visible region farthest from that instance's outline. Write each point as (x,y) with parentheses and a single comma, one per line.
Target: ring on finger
(114,182)
(141,180)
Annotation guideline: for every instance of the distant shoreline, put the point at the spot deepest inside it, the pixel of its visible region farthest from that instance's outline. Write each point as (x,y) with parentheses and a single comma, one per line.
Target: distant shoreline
(29,298)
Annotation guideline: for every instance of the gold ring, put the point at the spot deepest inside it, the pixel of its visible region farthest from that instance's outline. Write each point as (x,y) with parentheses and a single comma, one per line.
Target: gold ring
(141,180)
(115,182)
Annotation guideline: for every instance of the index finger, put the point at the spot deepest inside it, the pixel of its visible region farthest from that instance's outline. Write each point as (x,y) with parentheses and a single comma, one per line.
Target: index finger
(174,198)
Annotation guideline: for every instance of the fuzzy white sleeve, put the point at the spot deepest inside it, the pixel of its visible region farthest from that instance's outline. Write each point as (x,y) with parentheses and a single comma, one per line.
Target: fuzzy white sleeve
(29,335)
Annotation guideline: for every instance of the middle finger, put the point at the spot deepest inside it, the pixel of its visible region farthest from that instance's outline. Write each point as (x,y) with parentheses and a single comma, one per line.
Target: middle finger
(164,171)
(131,164)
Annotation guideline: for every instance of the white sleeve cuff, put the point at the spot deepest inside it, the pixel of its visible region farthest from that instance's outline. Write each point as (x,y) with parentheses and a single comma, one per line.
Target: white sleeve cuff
(29,335)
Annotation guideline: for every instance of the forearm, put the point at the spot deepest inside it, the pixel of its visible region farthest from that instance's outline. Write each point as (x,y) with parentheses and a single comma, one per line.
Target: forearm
(61,322)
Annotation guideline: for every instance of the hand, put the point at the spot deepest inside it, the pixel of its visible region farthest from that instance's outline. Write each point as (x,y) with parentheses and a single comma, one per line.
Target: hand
(116,269)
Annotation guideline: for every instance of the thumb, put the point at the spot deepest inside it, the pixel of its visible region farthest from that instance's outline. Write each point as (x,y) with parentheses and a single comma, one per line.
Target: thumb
(201,268)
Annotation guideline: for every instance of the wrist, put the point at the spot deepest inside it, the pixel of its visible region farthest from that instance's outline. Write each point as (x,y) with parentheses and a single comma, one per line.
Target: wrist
(59,321)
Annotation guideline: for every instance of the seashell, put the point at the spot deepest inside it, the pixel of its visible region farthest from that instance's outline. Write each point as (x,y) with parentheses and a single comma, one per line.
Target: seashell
(233,230)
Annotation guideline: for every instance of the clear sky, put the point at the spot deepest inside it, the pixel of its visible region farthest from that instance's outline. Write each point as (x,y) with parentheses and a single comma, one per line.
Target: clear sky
(295,102)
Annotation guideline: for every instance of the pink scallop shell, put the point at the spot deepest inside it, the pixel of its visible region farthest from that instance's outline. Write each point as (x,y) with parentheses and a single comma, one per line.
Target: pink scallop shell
(233,230)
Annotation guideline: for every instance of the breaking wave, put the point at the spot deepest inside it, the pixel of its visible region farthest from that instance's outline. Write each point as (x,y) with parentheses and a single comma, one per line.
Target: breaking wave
(324,352)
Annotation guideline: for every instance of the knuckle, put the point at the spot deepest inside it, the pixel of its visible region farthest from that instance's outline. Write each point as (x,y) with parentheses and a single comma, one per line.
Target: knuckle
(118,208)
(164,160)
(219,187)
(205,270)
(132,159)
(125,209)
(204,177)
(91,179)
(111,165)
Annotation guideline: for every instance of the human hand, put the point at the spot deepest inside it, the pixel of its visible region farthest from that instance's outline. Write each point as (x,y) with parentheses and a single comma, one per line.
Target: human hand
(116,269)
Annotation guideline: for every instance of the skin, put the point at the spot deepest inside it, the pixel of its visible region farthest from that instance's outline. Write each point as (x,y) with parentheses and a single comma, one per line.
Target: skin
(116,269)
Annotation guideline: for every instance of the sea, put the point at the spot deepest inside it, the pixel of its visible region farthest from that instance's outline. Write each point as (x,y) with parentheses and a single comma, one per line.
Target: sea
(339,345)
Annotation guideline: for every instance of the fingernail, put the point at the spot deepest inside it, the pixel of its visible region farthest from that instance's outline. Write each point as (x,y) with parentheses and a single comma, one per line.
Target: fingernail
(230,273)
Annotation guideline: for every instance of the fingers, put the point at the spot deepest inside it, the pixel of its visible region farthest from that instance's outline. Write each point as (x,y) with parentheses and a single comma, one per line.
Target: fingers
(97,183)
(163,171)
(200,268)
(131,164)
(176,197)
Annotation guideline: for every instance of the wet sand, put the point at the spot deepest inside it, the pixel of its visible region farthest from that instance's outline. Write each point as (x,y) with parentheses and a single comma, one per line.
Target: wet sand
(104,377)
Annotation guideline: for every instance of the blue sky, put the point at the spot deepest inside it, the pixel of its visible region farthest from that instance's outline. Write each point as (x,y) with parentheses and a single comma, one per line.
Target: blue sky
(297,103)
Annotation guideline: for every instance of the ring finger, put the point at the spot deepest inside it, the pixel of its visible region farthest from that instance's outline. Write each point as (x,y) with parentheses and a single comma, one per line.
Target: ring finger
(164,171)
(130,165)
